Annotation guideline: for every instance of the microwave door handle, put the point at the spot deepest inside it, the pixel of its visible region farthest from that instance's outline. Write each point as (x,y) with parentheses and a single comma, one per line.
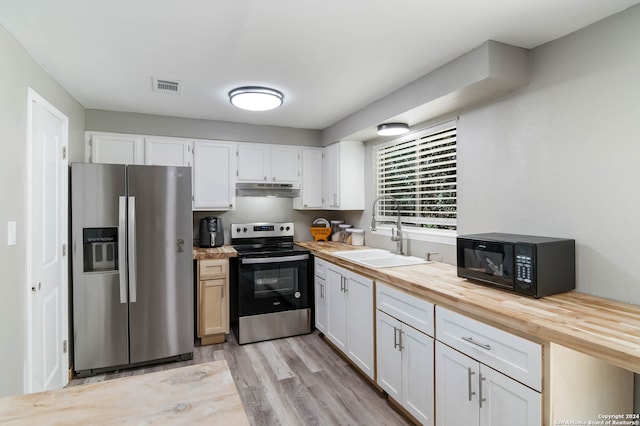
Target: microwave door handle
(132,249)
(122,247)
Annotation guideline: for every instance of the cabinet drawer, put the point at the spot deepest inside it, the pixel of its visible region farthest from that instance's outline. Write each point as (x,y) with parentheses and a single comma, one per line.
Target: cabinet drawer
(511,355)
(411,310)
(320,268)
(213,268)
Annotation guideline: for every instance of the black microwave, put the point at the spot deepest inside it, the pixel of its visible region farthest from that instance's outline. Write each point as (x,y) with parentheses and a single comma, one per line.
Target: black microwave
(524,264)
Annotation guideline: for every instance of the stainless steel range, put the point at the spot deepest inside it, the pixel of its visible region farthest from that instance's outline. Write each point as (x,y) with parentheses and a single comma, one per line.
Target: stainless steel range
(270,283)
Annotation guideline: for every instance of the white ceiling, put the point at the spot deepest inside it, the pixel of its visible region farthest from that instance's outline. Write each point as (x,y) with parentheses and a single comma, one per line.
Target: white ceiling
(330,58)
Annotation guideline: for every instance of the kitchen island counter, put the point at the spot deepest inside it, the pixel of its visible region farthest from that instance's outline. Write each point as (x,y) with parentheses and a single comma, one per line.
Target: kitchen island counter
(602,328)
(202,393)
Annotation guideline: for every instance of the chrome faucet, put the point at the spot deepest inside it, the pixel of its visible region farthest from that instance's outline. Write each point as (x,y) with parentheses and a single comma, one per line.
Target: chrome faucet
(396,234)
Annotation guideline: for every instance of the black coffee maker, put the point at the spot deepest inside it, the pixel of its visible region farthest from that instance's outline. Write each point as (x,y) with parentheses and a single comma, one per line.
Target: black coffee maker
(211,232)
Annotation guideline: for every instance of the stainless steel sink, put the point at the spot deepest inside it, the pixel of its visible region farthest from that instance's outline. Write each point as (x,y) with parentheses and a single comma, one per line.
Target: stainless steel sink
(378,258)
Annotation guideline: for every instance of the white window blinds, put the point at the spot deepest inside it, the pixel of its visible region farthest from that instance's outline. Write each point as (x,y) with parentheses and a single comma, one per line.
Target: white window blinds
(419,170)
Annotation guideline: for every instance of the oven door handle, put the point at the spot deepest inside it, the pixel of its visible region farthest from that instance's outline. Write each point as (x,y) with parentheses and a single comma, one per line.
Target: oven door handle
(253,260)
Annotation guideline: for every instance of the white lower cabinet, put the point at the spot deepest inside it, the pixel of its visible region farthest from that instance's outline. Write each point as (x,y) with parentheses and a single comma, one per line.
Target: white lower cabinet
(405,366)
(404,350)
(349,323)
(470,390)
(470,393)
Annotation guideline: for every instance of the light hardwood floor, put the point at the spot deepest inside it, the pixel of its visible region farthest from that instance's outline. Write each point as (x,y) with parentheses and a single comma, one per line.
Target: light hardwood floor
(294,381)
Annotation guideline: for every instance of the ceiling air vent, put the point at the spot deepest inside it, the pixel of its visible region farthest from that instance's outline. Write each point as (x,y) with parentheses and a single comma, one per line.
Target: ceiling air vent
(163,85)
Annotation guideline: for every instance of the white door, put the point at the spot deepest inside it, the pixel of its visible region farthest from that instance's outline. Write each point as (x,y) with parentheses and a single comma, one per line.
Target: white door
(506,402)
(336,307)
(360,342)
(252,163)
(285,164)
(312,182)
(389,355)
(331,177)
(213,175)
(320,304)
(167,152)
(456,388)
(417,374)
(47,273)
(114,148)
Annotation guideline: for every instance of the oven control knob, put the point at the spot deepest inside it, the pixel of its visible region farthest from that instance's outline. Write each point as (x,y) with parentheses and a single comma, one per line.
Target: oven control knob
(287,228)
(238,230)
(244,229)
(282,228)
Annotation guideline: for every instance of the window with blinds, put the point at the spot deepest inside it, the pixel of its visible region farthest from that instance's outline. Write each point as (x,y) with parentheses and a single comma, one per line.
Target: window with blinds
(419,171)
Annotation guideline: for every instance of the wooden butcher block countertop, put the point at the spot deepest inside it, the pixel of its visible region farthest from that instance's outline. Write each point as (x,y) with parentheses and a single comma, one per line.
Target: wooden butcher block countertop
(222,252)
(197,394)
(598,327)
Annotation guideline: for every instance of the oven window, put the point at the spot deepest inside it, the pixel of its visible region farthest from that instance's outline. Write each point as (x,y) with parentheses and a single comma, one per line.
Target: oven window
(275,282)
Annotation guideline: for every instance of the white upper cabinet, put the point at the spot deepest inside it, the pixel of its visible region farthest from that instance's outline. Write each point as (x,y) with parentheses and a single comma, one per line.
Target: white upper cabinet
(213,175)
(268,163)
(161,151)
(311,182)
(113,148)
(344,176)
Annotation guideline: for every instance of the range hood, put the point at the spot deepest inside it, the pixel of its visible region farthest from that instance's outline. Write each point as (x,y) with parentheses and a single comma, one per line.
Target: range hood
(259,189)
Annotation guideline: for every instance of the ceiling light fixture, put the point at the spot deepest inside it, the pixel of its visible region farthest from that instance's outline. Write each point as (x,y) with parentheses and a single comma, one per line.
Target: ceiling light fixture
(392,129)
(256,98)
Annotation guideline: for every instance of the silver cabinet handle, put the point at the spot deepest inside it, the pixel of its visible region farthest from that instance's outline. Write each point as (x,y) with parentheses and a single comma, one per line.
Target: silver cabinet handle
(346,284)
(321,291)
(132,250)
(400,333)
(122,247)
(482,379)
(395,337)
(469,374)
(482,345)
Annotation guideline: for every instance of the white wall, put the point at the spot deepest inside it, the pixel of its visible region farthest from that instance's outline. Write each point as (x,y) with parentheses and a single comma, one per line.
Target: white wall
(19,71)
(560,157)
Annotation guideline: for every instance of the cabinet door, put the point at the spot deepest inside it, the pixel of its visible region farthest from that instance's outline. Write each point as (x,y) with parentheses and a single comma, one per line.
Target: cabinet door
(213,311)
(311,180)
(506,402)
(360,343)
(114,148)
(336,307)
(389,357)
(253,162)
(167,151)
(344,176)
(213,175)
(456,388)
(320,297)
(417,374)
(331,175)
(285,164)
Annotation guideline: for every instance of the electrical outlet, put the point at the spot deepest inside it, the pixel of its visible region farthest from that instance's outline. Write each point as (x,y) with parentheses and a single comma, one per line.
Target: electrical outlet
(11,233)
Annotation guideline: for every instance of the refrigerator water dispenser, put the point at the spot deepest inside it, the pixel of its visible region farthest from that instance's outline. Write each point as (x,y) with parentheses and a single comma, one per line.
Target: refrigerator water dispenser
(100,247)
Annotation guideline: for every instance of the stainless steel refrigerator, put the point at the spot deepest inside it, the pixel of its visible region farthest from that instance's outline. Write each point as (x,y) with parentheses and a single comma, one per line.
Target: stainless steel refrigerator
(132,239)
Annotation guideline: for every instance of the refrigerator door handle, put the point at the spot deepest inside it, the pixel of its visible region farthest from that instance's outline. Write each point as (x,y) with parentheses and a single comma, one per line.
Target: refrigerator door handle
(122,247)
(132,249)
